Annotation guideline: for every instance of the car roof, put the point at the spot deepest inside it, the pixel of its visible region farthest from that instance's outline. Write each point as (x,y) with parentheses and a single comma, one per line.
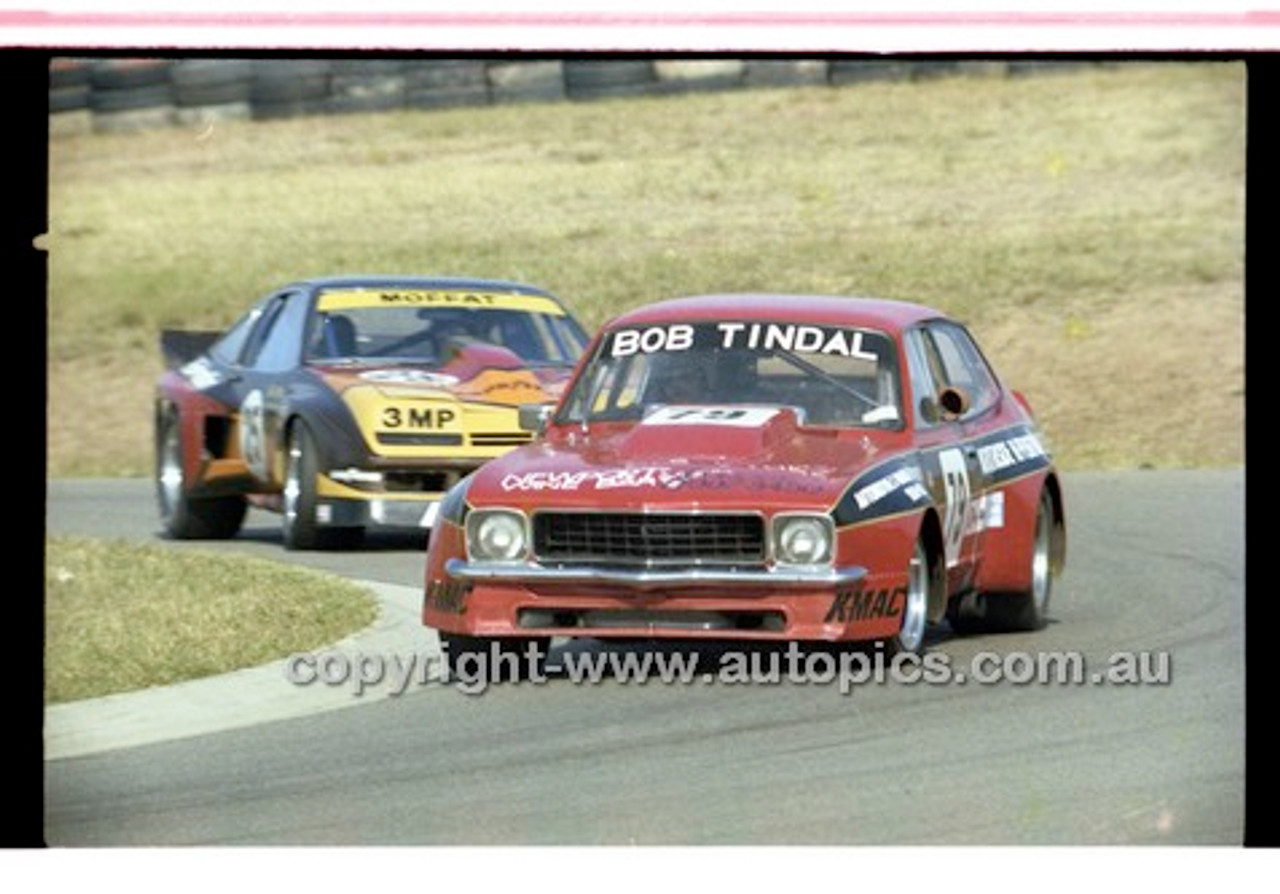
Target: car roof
(875,313)
(402,281)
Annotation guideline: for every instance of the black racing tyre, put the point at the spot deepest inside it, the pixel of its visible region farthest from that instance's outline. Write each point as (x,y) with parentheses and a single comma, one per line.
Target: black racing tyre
(967,613)
(785,73)
(69,72)
(287,80)
(298,502)
(68,99)
(69,86)
(597,79)
(129,74)
(185,517)
(857,72)
(288,88)
(129,99)
(446,83)
(519,82)
(211,82)
(439,73)
(366,85)
(469,660)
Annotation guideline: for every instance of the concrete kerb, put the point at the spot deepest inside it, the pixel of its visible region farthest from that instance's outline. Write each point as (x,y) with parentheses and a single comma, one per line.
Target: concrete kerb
(241,698)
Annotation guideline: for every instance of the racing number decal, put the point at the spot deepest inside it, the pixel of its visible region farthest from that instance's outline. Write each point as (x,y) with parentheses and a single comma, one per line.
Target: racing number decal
(253,434)
(747,417)
(955,477)
(397,417)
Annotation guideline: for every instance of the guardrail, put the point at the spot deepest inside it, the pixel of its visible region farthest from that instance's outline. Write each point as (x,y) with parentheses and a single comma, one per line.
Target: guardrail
(117,94)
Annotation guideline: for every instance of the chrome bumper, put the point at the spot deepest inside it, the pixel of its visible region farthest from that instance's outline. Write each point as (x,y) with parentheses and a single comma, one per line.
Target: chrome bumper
(653,579)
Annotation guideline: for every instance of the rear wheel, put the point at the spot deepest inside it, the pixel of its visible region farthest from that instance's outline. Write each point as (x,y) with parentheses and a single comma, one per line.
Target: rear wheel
(185,517)
(1029,610)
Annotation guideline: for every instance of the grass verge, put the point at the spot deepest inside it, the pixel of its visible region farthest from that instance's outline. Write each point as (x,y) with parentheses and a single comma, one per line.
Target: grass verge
(121,617)
(1089,226)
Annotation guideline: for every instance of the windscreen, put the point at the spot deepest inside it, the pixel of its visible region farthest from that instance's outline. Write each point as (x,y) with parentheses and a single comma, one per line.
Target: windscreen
(831,375)
(428,327)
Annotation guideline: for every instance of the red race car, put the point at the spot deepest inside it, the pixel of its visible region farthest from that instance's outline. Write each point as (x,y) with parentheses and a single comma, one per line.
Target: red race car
(758,467)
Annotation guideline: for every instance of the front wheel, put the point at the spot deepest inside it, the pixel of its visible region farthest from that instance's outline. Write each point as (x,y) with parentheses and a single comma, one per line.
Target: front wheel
(922,579)
(298,502)
(185,517)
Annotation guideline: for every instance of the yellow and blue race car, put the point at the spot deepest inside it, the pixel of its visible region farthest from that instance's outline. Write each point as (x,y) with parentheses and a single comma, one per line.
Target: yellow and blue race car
(349,402)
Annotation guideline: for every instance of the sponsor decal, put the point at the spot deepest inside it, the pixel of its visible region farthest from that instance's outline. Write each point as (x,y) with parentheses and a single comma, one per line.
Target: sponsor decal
(201,373)
(793,337)
(665,478)
(860,604)
(1009,452)
(345,299)
(988,512)
(897,486)
(503,386)
(907,478)
(408,377)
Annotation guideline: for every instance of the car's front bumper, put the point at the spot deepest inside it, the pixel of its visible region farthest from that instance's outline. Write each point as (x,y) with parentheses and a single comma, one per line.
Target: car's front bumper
(842,603)
(377,512)
(650,578)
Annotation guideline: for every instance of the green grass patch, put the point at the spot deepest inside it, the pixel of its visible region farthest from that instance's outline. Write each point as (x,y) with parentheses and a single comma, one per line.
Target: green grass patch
(121,616)
(1112,194)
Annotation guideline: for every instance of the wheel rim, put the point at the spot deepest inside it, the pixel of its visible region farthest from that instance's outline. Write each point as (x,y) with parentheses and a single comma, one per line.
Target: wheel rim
(1041,558)
(170,477)
(915,613)
(292,483)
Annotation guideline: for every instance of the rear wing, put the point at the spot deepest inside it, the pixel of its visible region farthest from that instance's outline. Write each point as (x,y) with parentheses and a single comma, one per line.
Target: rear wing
(181,346)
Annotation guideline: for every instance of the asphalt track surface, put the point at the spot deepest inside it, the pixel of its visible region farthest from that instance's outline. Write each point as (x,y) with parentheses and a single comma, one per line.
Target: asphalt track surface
(1155,571)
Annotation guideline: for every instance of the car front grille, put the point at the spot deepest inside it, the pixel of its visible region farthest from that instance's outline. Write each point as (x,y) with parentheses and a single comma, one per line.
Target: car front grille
(631,538)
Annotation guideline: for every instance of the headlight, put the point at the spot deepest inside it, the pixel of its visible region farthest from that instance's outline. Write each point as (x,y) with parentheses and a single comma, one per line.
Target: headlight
(802,539)
(497,535)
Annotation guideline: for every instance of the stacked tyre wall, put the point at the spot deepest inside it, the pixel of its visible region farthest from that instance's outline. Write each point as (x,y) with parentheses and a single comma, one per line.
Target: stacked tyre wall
(115,94)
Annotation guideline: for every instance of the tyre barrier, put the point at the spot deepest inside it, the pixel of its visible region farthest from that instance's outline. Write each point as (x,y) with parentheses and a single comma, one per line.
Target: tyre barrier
(131,94)
(446,83)
(121,94)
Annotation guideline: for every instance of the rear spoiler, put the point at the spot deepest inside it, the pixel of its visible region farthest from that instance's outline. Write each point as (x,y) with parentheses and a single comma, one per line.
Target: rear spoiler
(181,346)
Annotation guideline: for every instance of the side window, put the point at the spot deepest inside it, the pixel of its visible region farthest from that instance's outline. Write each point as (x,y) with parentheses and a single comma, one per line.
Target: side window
(228,348)
(280,348)
(962,364)
(921,365)
(257,340)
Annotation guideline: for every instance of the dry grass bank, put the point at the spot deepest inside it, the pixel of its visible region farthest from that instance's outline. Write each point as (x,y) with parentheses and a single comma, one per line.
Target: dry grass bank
(1088,225)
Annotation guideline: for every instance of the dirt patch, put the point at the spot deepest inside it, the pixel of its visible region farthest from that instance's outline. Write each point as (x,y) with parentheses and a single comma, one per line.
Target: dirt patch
(1154,381)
